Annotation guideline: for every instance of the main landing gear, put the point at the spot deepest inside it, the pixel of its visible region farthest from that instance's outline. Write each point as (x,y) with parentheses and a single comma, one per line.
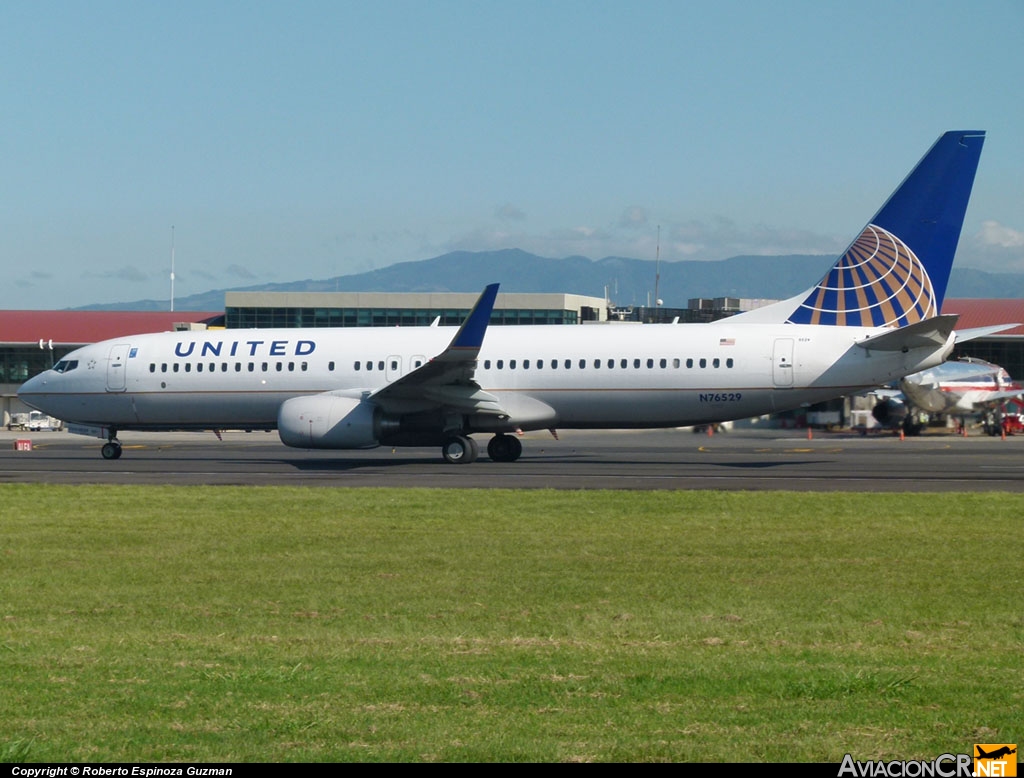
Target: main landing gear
(504,448)
(112,448)
(462,449)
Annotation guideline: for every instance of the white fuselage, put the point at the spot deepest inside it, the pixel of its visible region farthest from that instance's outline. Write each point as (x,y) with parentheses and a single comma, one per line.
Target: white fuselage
(586,376)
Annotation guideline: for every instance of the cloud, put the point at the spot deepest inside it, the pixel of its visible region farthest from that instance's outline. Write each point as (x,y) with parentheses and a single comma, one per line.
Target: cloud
(632,236)
(993,233)
(239,271)
(633,217)
(995,248)
(127,273)
(509,213)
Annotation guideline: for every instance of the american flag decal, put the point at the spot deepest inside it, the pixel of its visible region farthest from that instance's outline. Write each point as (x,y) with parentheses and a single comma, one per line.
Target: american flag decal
(878,282)
(727,341)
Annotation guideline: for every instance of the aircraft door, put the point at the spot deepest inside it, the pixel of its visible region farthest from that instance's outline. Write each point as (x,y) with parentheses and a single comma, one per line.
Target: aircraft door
(393,368)
(782,363)
(117,366)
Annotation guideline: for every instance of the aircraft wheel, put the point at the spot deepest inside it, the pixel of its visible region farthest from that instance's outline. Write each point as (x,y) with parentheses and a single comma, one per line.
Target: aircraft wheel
(504,448)
(111,451)
(459,450)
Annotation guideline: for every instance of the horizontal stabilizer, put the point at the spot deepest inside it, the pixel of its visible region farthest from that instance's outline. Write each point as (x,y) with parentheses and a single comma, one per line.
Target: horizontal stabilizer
(927,333)
(962,336)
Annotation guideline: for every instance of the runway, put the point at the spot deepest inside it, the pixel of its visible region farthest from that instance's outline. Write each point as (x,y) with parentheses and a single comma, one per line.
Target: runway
(660,459)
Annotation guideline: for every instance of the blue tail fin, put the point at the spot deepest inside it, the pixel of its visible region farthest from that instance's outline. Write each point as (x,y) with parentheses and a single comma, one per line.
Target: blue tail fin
(895,273)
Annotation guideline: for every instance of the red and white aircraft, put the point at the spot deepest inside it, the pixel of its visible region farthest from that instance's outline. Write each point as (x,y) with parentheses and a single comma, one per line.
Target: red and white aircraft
(963,388)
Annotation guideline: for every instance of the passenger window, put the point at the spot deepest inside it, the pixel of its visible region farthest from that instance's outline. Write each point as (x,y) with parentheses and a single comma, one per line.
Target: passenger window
(568,364)
(728,362)
(583,363)
(223,367)
(487,364)
(176,365)
(636,363)
(163,367)
(380,365)
(279,367)
(501,364)
(152,367)
(540,364)
(624,363)
(689,362)
(703,362)
(526,364)
(611,363)
(664,362)
(715,362)
(330,366)
(265,367)
(511,364)
(252,367)
(188,367)
(199,368)
(238,367)
(650,363)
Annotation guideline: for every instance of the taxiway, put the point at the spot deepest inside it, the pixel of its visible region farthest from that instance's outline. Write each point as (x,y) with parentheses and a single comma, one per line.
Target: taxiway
(659,459)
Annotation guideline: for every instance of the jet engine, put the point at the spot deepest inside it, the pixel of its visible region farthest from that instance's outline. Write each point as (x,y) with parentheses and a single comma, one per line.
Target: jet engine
(331,421)
(889,412)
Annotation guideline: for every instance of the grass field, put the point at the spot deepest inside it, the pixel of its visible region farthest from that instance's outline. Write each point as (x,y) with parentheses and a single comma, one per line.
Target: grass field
(276,624)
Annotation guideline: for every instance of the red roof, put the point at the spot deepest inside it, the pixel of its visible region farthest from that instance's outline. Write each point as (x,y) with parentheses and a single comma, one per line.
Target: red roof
(75,328)
(978,312)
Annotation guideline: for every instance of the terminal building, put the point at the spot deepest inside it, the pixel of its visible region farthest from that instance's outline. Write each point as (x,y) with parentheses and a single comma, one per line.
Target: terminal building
(246,310)
(32,341)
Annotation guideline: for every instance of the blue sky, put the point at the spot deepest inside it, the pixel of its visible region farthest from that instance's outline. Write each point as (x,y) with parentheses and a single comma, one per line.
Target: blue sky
(291,140)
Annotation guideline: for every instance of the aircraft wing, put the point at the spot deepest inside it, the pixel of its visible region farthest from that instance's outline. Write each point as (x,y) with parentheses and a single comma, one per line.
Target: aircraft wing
(446,381)
(927,332)
(984,399)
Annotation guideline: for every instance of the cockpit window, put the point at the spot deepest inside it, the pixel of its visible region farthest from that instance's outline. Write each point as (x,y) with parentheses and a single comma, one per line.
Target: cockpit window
(66,365)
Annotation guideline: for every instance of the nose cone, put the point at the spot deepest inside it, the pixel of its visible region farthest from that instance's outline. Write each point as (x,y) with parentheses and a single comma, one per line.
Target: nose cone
(33,391)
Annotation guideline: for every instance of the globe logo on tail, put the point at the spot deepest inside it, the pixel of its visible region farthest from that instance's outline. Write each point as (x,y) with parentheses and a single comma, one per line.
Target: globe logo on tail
(878,282)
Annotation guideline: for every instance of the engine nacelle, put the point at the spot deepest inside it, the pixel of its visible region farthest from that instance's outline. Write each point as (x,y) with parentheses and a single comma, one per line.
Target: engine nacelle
(889,412)
(329,421)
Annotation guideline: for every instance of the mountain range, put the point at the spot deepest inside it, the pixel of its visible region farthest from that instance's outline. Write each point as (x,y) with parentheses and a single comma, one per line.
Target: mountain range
(624,281)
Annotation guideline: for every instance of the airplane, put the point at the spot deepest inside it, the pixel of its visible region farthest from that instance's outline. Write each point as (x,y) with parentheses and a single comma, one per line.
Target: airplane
(872,319)
(961,388)
(999,752)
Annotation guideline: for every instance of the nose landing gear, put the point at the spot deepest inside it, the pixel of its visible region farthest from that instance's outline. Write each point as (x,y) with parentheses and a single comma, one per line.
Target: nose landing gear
(112,448)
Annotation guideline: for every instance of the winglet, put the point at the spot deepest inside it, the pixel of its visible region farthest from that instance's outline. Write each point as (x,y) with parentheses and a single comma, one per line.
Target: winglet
(471,333)
(452,367)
